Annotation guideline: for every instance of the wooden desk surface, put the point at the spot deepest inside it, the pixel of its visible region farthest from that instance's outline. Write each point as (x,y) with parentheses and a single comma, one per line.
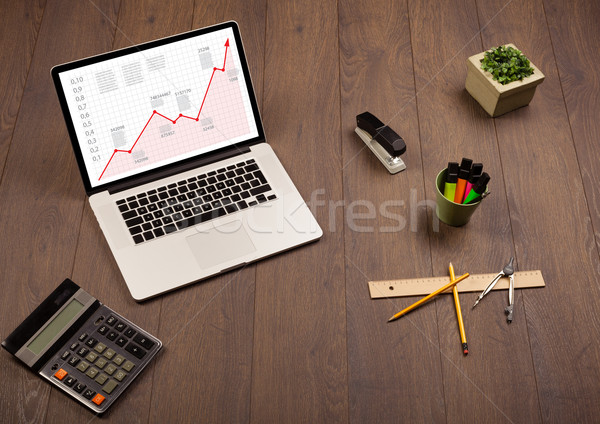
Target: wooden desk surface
(296,338)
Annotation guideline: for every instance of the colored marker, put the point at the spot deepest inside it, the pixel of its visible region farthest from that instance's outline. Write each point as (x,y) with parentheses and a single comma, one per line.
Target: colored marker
(476,171)
(461,184)
(478,189)
(451,179)
(466,163)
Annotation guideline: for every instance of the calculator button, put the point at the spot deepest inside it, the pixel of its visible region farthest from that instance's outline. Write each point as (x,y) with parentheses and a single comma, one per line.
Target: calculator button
(103,329)
(82,337)
(120,375)
(91,342)
(135,350)
(74,360)
(83,351)
(65,355)
(92,372)
(143,341)
(111,320)
(89,393)
(74,346)
(69,381)
(82,366)
(91,357)
(60,374)
(129,333)
(110,386)
(112,335)
(121,341)
(79,387)
(119,359)
(98,399)
(109,353)
(101,379)
(110,369)
(101,362)
(128,366)
(120,326)
(100,347)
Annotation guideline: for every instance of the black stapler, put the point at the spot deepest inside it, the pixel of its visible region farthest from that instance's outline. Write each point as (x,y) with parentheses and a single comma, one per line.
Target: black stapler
(383,141)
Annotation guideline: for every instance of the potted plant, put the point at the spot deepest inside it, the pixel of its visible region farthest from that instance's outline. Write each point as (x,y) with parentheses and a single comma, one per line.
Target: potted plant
(502,79)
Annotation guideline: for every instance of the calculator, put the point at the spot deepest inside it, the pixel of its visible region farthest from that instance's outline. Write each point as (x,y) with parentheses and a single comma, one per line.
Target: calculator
(82,347)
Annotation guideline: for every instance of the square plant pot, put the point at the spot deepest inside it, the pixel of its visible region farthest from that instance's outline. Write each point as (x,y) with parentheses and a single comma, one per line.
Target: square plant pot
(495,98)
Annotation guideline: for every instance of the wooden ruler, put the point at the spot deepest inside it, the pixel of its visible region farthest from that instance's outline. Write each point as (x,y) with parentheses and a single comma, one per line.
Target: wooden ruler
(475,283)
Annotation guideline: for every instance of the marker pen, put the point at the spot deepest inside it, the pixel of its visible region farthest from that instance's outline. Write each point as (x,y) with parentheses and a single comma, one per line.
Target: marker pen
(466,163)
(463,175)
(476,171)
(478,189)
(451,179)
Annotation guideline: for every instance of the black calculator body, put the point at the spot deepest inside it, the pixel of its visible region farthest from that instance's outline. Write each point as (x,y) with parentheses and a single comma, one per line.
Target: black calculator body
(82,347)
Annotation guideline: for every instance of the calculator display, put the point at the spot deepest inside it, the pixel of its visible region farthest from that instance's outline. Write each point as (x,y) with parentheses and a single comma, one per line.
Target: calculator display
(55,327)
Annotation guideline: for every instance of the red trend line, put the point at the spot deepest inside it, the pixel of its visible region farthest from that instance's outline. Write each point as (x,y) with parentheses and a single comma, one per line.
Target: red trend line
(174,121)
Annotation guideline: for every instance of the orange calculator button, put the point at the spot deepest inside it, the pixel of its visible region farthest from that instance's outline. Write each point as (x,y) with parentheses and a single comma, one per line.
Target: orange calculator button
(60,374)
(98,399)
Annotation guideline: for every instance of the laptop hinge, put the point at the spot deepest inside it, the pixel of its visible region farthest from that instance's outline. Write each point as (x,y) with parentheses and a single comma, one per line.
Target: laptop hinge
(178,169)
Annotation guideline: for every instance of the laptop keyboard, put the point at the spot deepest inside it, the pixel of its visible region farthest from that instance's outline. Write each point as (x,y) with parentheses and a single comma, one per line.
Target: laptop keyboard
(195,200)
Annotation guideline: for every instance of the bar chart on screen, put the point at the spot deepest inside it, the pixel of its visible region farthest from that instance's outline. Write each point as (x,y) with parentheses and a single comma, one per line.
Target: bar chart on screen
(161,105)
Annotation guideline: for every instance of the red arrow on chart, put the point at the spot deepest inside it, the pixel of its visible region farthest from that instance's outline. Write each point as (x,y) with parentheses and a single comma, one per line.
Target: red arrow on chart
(174,121)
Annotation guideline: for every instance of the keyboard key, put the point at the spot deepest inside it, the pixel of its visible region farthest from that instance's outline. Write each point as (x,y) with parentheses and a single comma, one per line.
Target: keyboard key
(272,197)
(221,177)
(133,205)
(211,173)
(73,361)
(128,366)
(82,366)
(206,216)
(146,226)
(91,342)
(120,326)
(254,183)
(74,346)
(142,211)
(170,228)
(226,192)
(262,189)
(259,175)
(119,359)
(211,180)
(112,335)
(60,374)
(148,235)
(134,221)
(135,350)
(83,351)
(92,372)
(109,353)
(121,341)
(91,357)
(236,198)
(131,199)
(242,204)
(246,186)
(110,386)
(70,381)
(103,329)
(173,192)
(261,198)
(182,182)
(79,387)
(144,201)
(65,355)
(138,238)
(110,369)
(245,194)
(143,341)
(98,399)
(120,202)
(89,394)
(159,232)
(153,199)
(101,379)
(82,337)
(129,333)
(231,208)
(120,375)
(101,363)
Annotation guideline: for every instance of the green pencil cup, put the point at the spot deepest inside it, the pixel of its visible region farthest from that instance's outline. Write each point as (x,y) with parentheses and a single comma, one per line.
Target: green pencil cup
(447,211)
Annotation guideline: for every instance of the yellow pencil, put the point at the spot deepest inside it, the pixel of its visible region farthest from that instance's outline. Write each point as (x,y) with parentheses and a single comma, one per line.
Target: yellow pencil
(461,326)
(429,296)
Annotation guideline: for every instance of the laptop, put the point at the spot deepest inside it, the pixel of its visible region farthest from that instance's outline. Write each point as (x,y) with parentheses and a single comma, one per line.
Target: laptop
(172,153)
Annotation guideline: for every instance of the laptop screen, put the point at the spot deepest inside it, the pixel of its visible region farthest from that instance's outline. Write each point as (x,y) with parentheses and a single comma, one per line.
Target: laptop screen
(135,110)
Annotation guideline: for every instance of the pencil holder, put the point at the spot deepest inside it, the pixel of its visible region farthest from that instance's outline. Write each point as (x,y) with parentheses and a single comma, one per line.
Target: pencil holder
(447,211)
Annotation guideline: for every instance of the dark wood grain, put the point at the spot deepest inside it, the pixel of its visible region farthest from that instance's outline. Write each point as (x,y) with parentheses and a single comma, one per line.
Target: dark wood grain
(41,194)
(575,38)
(299,361)
(18,33)
(481,386)
(551,228)
(390,365)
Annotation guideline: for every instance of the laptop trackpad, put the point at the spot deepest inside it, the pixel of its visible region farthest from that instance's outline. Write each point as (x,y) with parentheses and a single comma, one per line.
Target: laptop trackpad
(221,244)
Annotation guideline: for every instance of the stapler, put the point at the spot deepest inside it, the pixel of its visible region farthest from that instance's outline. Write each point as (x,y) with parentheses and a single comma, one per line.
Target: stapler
(382,140)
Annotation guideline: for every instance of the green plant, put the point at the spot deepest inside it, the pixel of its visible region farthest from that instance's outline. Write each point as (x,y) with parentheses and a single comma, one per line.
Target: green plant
(506,64)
